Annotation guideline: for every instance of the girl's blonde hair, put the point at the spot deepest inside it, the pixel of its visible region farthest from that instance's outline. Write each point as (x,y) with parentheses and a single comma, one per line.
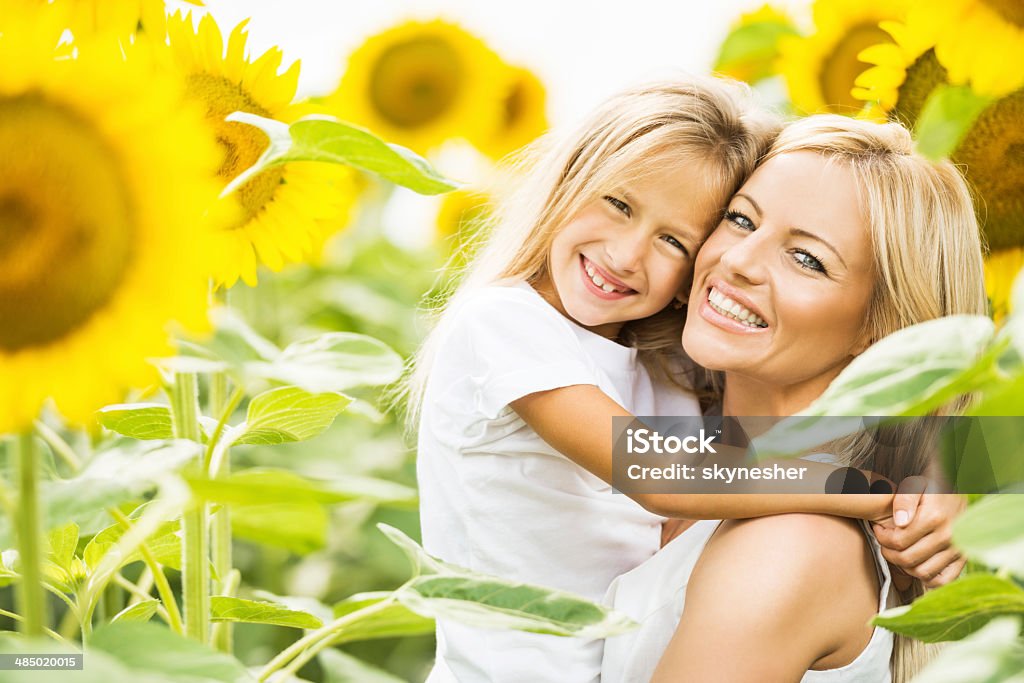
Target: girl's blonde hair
(928,254)
(707,121)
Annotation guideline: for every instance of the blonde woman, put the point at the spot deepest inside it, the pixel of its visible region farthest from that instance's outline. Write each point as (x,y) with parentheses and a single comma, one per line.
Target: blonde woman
(842,236)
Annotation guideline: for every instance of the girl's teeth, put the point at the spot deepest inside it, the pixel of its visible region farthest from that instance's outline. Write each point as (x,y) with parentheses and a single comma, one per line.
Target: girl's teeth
(607,288)
(598,280)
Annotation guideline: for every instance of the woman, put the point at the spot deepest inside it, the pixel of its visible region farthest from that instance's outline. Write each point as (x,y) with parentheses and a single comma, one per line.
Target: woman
(842,236)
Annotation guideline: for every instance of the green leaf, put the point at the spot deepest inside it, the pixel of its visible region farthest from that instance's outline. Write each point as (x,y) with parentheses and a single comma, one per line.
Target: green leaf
(909,372)
(984,453)
(754,46)
(992,531)
(393,621)
(63,543)
(335,361)
(947,115)
(137,420)
(223,608)
(493,602)
(110,478)
(956,609)
(147,647)
(329,140)
(264,485)
(300,528)
(481,600)
(144,421)
(339,667)
(165,544)
(140,611)
(287,414)
(995,654)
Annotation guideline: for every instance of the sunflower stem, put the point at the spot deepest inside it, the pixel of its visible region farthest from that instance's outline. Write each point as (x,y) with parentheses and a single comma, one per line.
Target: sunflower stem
(220,531)
(31,597)
(195,568)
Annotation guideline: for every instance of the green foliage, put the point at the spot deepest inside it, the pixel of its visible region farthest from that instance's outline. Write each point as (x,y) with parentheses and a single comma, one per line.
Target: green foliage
(947,115)
(288,414)
(753,48)
(329,140)
(992,531)
(224,608)
(995,654)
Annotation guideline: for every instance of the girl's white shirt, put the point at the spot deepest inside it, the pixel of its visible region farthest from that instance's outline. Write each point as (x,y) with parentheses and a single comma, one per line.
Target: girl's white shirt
(496,498)
(654,595)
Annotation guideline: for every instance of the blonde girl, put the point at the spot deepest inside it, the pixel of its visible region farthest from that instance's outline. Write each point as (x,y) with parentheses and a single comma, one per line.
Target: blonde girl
(568,317)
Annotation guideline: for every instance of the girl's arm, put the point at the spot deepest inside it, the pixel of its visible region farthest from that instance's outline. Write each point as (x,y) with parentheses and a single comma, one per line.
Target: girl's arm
(768,600)
(577,421)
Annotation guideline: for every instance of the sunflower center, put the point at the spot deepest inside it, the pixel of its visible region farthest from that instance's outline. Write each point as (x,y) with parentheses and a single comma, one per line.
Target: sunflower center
(416,82)
(841,68)
(993,153)
(242,144)
(515,105)
(922,77)
(1011,10)
(66,222)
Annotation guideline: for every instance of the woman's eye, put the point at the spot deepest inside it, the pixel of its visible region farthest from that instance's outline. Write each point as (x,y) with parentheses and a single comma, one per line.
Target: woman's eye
(739,220)
(809,261)
(619,204)
(676,243)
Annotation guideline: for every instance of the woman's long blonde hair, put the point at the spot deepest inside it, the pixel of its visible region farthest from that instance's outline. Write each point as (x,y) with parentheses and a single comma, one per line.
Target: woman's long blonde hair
(927,251)
(708,121)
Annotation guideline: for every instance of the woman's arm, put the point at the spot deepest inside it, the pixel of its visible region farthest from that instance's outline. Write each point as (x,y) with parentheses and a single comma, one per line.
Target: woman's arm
(771,598)
(577,421)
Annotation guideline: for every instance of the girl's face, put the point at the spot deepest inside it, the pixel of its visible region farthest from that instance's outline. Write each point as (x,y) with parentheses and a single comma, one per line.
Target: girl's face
(783,285)
(625,255)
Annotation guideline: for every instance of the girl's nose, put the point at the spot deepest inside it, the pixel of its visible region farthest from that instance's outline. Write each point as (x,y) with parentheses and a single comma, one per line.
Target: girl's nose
(626,251)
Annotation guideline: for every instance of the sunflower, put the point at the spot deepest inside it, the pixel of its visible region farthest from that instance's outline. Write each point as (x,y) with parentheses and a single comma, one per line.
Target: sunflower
(906,71)
(1001,270)
(103,181)
(421,83)
(820,69)
(524,115)
(285,214)
(120,17)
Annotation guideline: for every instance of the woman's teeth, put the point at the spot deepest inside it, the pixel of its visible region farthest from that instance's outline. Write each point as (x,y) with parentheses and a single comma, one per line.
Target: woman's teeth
(599,281)
(731,309)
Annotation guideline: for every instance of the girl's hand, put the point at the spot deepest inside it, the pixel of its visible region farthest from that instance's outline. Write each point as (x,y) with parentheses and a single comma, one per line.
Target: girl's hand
(918,537)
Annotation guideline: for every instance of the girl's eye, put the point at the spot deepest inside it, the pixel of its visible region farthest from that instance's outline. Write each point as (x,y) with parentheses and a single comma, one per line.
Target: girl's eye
(740,220)
(619,204)
(809,261)
(676,243)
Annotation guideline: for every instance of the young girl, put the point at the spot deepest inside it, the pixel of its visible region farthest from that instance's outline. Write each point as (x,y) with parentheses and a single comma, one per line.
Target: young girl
(577,289)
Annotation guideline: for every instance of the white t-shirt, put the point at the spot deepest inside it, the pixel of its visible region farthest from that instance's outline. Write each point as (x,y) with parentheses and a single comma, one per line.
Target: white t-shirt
(496,498)
(654,594)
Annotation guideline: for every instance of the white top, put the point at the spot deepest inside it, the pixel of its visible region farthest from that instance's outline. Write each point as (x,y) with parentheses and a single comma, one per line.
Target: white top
(496,498)
(654,594)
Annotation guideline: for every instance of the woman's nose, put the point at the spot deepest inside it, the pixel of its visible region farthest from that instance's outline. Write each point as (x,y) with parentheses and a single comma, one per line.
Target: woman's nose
(747,258)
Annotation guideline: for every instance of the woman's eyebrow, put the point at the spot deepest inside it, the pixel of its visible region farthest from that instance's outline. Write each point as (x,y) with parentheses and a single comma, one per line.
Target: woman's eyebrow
(750,199)
(818,238)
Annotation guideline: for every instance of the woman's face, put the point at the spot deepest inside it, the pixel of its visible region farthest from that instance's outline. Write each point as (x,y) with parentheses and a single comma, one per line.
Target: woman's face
(782,286)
